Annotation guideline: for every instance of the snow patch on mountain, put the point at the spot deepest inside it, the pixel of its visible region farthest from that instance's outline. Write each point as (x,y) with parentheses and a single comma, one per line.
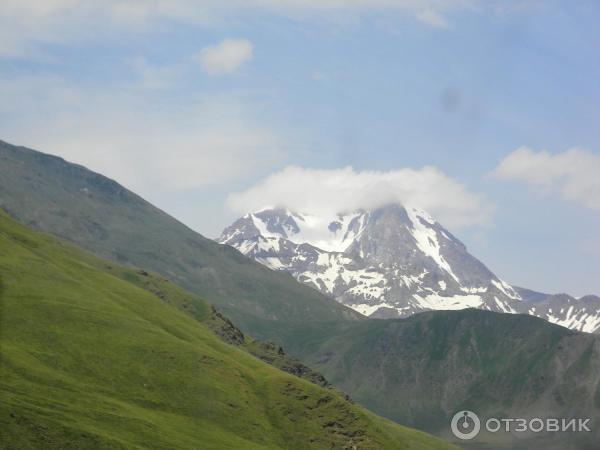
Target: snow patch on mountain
(435,301)
(427,238)
(390,262)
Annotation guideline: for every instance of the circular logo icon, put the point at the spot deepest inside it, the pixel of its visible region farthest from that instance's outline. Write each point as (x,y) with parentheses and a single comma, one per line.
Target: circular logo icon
(465,425)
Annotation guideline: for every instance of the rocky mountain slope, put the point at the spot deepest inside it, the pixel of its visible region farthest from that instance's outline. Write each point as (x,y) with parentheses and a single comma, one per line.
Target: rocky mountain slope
(581,314)
(393,261)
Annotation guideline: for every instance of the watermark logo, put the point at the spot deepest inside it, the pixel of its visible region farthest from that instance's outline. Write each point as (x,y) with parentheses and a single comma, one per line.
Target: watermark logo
(466,425)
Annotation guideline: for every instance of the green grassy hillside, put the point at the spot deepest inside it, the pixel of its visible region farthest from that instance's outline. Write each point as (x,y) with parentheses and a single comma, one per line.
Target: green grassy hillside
(95,356)
(100,215)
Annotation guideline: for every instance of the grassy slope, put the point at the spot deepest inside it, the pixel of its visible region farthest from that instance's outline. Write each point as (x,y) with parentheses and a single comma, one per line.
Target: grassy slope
(422,369)
(376,362)
(91,360)
(98,214)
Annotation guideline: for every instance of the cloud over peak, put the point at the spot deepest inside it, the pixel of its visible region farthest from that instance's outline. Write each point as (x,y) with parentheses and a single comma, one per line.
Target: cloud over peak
(321,191)
(573,174)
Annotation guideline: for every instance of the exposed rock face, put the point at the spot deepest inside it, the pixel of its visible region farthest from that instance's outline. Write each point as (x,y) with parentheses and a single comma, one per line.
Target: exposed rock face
(390,262)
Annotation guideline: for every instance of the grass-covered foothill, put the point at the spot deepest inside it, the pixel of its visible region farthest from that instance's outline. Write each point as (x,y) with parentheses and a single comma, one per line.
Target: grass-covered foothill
(93,355)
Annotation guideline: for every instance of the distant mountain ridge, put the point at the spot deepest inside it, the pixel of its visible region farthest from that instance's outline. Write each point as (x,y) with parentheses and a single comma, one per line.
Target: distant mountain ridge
(393,261)
(420,370)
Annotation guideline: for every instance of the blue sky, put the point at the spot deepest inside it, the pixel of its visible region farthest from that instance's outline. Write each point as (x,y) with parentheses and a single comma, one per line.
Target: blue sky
(188,104)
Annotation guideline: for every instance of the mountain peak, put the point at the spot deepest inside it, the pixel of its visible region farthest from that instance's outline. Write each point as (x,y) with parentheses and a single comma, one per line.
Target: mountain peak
(391,261)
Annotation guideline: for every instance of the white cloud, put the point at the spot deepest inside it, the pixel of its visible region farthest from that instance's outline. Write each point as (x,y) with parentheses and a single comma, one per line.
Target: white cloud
(573,174)
(171,159)
(339,190)
(153,76)
(26,23)
(140,140)
(433,18)
(225,57)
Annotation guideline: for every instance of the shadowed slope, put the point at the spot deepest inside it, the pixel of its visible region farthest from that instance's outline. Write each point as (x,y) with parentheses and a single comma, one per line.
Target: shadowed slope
(419,371)
(100,215)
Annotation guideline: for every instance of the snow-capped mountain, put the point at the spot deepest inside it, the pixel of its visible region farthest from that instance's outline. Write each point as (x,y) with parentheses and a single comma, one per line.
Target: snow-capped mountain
(581,314)
(390,262)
